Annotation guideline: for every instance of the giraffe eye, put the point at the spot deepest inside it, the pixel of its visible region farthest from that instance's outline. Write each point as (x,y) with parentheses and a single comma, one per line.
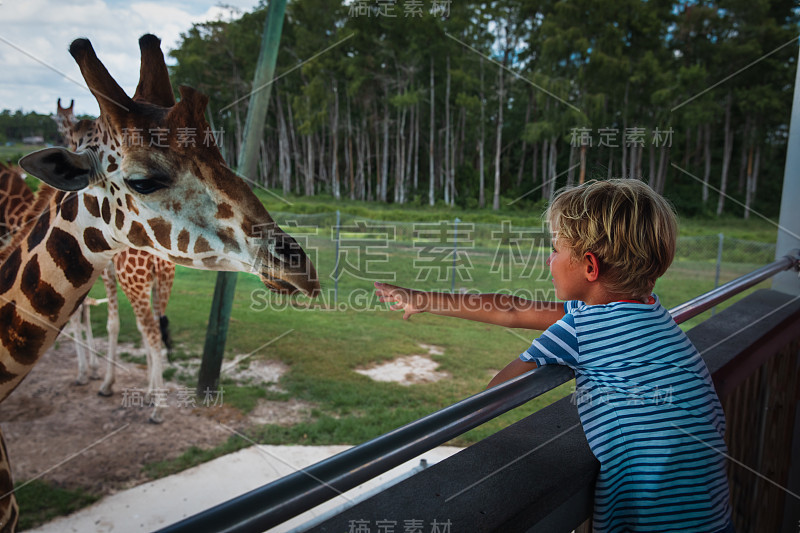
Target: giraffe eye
(147,185)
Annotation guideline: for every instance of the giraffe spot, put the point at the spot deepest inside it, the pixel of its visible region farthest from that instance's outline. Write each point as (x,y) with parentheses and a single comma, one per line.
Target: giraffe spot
(44,299)
(9,269)
(22,339)
(39,231)
(5,375)
(210,262)
(112,164)
(69,207)
(131,204)
(59,197)
(138,236)
(161,229)
(95,240)
(106,211)
(201,245)
(183,240)
(68,256)
(227,237)
(119,202)
(224,211)
(78,302)
(90,202)
(119,218)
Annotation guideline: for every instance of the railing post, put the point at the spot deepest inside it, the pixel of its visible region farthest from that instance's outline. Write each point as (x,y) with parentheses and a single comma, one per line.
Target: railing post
(789,222)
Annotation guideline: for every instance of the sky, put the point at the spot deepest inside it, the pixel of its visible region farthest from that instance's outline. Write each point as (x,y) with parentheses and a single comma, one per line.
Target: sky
(36,68)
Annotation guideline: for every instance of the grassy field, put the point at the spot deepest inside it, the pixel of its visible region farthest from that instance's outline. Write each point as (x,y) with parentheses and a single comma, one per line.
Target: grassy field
(322,342)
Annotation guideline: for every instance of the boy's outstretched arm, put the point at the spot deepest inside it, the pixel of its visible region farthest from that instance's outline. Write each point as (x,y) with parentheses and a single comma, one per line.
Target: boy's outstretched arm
(498,309)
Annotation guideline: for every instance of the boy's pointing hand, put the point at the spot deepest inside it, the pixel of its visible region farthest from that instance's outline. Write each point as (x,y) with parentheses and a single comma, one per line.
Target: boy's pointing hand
(408,300)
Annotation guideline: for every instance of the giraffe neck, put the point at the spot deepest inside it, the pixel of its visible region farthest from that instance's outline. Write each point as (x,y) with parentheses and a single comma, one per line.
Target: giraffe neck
(44,276)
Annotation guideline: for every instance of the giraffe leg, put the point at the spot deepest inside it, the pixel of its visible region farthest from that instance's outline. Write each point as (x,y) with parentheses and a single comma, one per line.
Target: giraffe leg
(75,330)
(86,326)
(9,510)
(112,327)
(136,278)
(164,277)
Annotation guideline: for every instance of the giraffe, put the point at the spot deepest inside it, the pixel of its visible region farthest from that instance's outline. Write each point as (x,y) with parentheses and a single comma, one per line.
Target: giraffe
(15,198)
(140,274)
(176,200)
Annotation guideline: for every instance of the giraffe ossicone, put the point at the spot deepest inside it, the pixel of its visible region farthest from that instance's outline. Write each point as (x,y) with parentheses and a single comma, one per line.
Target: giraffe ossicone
(180,202)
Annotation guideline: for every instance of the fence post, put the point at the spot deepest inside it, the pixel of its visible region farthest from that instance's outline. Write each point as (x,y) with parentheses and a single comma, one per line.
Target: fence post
(455,255)
(336,266)
(719,263)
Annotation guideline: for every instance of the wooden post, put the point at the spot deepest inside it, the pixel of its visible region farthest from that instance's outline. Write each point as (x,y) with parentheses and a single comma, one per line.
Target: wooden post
(217,332)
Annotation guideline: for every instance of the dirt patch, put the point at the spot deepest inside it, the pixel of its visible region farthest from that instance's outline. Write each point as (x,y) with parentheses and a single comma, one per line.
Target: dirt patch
(409,369)
(68,435)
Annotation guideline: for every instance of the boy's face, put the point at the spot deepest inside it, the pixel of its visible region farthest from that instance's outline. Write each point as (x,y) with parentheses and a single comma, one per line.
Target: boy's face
(569,277)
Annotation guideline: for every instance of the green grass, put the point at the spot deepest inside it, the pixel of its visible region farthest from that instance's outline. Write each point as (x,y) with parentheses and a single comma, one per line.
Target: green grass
(322,342)
(40,502)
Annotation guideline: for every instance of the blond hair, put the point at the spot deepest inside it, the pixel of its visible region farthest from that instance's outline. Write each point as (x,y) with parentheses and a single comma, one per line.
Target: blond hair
(630,228)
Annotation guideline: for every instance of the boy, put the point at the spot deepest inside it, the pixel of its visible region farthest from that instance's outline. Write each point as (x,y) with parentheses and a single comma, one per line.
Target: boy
(645,397)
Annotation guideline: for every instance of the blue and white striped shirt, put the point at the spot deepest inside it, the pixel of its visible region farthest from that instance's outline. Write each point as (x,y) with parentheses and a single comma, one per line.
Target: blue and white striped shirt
(650,413)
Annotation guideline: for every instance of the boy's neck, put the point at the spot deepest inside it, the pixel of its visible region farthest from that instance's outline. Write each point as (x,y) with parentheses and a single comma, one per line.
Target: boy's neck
(599,295)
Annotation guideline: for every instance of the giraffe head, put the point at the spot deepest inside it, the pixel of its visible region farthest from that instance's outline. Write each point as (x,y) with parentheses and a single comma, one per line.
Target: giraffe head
(147,177)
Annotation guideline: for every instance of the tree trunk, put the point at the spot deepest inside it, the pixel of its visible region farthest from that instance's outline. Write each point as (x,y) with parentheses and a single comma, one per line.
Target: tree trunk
(582,175)
(570,168)
(752,178)
(385,158)
(284,158)
(349,153)
(431,144)
(309,181)
(416,148)
(337,192)
(524,144)
(447,198)
(545,177)
(296,151)
(400,160)
(481,144)
(499,143)
(706,160)
(661,175)
(726,156)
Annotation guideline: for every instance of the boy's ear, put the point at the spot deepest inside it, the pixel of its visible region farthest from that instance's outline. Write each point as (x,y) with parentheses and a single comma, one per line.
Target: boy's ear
(591,266)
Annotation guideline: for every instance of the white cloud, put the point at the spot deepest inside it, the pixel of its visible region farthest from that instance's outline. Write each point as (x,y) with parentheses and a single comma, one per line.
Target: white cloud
(43,29)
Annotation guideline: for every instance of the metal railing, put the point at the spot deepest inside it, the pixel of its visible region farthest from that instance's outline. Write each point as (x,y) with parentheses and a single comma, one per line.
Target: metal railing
(285,498)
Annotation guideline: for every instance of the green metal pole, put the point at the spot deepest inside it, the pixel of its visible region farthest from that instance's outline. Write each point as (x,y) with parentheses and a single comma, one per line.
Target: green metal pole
(217,332)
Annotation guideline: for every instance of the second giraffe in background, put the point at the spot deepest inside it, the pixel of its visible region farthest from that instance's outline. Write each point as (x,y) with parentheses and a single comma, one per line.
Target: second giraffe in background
(141,276)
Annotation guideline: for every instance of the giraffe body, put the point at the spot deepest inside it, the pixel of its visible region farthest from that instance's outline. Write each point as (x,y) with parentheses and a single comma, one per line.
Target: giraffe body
(180,203)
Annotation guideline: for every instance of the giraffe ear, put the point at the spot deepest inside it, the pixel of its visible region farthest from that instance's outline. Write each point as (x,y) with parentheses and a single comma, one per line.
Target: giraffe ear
(60,168)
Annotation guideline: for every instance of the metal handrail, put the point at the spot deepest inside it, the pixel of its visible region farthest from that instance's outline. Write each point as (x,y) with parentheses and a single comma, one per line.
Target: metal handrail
(285,498)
